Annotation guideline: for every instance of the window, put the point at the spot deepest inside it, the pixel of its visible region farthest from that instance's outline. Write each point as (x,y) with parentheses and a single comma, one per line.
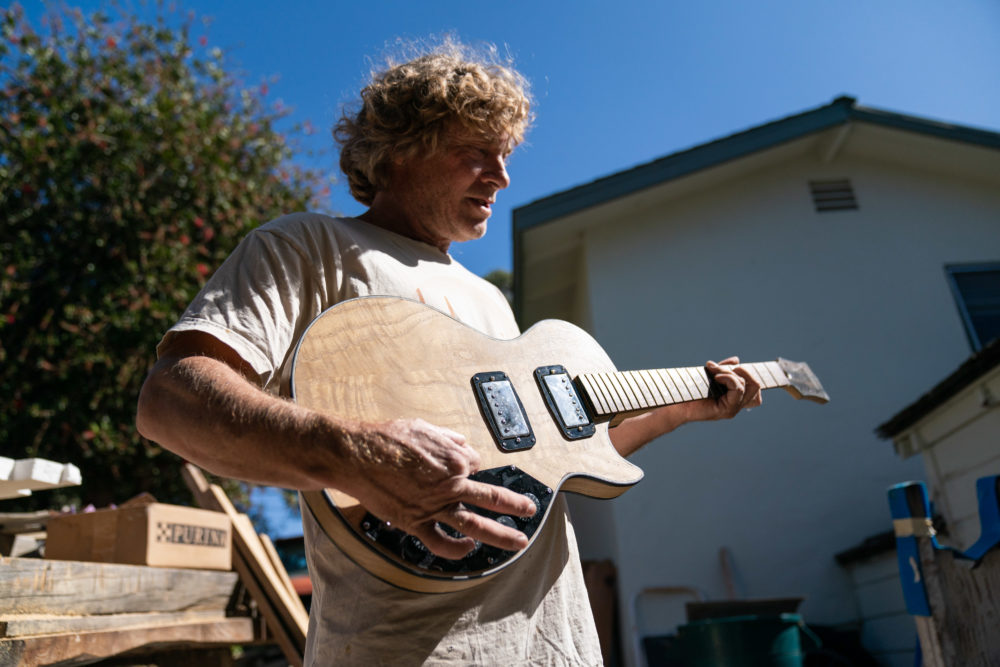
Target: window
(977,294)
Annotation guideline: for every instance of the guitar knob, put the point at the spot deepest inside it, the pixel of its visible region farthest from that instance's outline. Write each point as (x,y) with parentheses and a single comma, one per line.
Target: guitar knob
(506,521)
(538,507)
(475,550)
(413,551)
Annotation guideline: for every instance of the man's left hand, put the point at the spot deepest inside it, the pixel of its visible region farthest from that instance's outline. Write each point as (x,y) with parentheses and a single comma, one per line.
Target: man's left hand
(742,390)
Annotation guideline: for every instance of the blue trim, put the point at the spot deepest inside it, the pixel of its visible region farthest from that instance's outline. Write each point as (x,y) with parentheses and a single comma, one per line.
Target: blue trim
(911,573)
(989,518)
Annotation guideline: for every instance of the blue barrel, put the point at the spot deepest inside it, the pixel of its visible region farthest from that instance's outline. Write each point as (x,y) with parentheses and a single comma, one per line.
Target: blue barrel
(745,641)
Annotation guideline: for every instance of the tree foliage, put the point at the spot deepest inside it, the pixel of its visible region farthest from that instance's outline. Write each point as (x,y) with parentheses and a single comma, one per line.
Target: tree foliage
(131,163)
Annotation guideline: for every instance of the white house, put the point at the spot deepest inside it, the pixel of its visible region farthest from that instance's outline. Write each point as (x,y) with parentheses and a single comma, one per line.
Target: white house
(834,236)
(954,428)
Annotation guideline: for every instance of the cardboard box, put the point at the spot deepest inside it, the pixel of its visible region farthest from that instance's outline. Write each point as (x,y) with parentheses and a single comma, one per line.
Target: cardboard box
(149,534)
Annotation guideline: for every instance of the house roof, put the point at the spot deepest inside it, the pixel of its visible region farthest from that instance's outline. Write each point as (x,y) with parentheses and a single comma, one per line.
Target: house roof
(842,110)
(546,236)
(975,366)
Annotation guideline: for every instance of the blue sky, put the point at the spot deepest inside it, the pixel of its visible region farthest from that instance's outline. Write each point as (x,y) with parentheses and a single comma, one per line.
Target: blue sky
(620,83)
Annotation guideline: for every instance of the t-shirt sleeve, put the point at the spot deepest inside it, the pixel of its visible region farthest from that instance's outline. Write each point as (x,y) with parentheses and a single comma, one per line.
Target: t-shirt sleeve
(260,300)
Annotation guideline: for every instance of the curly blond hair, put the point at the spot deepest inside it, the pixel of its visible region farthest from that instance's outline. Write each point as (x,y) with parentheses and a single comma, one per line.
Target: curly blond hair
(406,107)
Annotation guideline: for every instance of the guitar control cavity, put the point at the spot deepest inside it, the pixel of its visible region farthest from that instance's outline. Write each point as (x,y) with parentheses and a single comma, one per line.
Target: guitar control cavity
(483,556)
(564,402)
(503,411)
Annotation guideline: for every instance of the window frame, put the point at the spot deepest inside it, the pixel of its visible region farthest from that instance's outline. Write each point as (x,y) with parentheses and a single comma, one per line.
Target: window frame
(960,299)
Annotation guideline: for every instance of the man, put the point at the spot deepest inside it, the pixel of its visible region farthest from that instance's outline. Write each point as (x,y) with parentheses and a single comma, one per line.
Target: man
(426,151)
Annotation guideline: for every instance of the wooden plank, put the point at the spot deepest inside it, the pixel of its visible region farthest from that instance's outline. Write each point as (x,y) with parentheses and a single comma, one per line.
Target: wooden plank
(23,522)
(282,609)
(964,602)
(37,586)
(21,477)
(21,625)
(80,648)
(272,553)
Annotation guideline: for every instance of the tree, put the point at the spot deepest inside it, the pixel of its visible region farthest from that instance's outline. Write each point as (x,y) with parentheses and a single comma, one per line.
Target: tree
(504,281)
(131,163)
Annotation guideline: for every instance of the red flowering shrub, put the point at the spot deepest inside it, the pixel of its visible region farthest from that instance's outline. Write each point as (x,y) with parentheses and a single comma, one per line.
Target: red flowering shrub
(131,163)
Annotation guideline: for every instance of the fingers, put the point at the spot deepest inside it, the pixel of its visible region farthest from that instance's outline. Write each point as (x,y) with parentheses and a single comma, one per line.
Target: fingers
(474,528)
(742,388)
(478,527)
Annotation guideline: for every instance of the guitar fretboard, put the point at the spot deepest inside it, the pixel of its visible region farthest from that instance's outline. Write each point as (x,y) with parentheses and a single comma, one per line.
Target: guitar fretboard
(632,391)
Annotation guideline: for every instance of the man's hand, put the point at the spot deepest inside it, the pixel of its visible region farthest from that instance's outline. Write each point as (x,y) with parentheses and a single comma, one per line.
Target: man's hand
(742,390)
(412,475)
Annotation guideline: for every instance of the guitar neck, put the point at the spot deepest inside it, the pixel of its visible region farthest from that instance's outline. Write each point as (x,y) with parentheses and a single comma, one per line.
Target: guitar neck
(629,392)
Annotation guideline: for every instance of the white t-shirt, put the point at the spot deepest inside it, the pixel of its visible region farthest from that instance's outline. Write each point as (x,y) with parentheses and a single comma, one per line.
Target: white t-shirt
(280,278)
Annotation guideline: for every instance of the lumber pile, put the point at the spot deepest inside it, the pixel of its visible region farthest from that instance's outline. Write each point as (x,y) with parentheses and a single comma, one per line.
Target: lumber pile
(74,613)
(70,612)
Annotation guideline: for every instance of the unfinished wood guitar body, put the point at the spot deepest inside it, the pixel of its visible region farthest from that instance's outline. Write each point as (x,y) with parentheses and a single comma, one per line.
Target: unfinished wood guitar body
(536,408)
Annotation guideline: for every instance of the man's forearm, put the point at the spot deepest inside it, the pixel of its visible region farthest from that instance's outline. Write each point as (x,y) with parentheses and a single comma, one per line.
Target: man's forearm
(635,432)
(204,411)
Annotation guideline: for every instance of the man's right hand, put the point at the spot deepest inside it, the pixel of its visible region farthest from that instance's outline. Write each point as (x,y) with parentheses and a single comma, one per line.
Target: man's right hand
(413,475)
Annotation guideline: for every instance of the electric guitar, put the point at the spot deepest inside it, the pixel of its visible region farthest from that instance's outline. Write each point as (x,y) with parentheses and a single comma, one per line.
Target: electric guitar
(536,408)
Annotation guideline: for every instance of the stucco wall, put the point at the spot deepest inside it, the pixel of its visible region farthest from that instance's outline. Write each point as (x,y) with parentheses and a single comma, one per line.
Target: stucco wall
(751,268)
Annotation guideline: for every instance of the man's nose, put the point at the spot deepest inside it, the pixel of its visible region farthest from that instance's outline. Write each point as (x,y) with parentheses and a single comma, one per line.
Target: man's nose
(496,172)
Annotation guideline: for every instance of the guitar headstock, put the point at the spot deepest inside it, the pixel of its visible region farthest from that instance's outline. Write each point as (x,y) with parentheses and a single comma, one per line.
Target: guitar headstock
(803,383)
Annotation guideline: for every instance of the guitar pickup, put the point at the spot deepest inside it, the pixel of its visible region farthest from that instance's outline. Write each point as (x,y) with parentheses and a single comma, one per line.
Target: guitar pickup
(503,411)
(564,402)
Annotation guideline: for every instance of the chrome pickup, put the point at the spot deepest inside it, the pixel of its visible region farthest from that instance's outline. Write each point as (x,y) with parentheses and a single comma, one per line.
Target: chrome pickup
(503,411)
(564,402)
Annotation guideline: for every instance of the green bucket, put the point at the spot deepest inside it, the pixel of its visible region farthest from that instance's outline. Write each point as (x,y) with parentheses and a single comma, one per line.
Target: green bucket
(745,641)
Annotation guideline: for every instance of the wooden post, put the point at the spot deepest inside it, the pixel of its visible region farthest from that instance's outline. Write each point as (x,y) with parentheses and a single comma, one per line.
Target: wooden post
(283,610)
(954,597)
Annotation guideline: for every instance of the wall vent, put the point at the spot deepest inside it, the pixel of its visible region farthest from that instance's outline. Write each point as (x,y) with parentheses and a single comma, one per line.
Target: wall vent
(833,195)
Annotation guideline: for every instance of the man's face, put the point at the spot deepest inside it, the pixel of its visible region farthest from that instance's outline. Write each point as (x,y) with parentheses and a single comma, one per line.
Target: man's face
(448,196)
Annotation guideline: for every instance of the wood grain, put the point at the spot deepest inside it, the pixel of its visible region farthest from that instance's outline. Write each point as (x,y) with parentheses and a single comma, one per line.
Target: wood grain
(282,608)
(87,647)
(377,359)
(36,586)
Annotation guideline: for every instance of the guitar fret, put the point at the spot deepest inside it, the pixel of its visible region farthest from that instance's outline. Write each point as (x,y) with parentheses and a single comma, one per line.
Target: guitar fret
(663,384)
(609,394)
(648,389)
(658,398)
(596,400)
(665,397)
(767,376)
(691,389)
(609,399)
(679,382)
(641,397)
(758,374)
(697,374)
(675,391)
(615,391)
(775,369)
(664,377)
(688,382)
(628,400)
